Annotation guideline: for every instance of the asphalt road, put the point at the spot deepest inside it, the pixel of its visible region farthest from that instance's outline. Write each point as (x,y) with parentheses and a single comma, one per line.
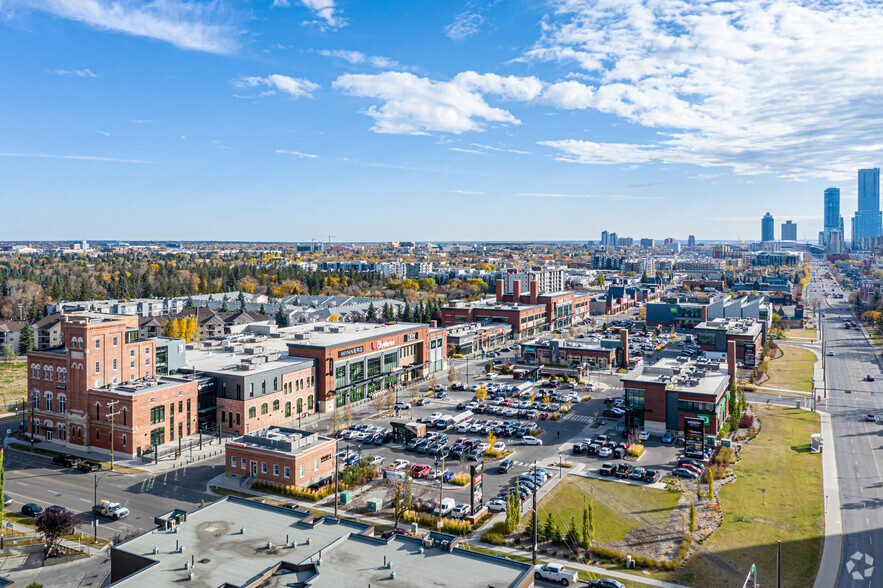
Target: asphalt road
(33,478)
(857,442)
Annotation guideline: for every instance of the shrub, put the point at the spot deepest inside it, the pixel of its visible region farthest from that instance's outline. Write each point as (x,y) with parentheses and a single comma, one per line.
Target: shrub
(637,450)
(295,492)
(644,561)
(746,421)
(493,538)
(725,456)
(535,432)
(453,526)
(492,454)
(460,479)
(607,553)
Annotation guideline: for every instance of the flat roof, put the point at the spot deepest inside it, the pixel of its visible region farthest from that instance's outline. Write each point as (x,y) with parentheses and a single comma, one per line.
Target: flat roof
(328,335)
(703,376)
(223,361)
(228,540)
(281,439)
(152,384)
(578,344)
(733,326)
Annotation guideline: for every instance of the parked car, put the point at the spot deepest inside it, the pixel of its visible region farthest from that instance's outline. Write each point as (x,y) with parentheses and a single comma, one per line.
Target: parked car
(871,418)
(419,470)
(869,378)
(684,473)
(555,573)
(531,440)
(462,511)
(505,465)
(32,510)
(496,505)
(67,461)
(400,464)
(623,470)
(638,474)
(88,466)
(668,438)
(605,583)
(578,448)
(607,469)
(402,406)
(651,476)
(605,452)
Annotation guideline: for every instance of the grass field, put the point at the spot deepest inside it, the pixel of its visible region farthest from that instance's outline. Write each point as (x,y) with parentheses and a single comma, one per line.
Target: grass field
(789,511)
(13,382)
(792,371)
(618,507)
(801,333)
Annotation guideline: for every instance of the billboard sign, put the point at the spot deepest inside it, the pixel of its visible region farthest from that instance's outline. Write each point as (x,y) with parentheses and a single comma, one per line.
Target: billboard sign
(475,486)
(694,437)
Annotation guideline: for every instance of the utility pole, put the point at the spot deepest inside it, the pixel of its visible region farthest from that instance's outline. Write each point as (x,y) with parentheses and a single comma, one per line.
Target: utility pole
(336,475)
(110,415)
(778,564)
(534,538)
(33,402)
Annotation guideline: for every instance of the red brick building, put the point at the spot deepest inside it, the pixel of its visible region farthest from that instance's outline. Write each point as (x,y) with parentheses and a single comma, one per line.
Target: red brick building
(286,456)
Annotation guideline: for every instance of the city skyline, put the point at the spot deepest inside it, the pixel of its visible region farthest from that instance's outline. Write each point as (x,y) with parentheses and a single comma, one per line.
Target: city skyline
(295,114)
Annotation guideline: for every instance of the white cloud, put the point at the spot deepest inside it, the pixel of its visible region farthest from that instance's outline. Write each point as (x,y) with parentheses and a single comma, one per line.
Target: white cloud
(786,86)
(359,58)
(464,26)
(608,196)
(294,87)
(184,24)
(79,73)
(461,150)
(326,10)
(299,154)
(415,105)
(468,192)
(501,149)
(75,157)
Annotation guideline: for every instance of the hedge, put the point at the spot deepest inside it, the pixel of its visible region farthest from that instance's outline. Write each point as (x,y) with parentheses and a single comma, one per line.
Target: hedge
(295,492)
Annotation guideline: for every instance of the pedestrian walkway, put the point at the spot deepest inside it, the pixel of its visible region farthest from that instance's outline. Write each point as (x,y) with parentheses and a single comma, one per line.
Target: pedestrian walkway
(580,418)
(833,545)
(800,392)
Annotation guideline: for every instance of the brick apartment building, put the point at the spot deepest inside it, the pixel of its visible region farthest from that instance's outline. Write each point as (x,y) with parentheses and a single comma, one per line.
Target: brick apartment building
(747,334)
(286,456)
(526,320)
(103,367)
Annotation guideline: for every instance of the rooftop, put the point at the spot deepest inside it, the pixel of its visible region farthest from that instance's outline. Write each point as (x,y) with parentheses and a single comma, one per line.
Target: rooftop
(733,326)
(152,384)
(700,376)
(333,334)
(269,355)
(236,542)
(291,441)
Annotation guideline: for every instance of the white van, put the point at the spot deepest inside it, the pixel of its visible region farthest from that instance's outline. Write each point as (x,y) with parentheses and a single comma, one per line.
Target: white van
(447,505)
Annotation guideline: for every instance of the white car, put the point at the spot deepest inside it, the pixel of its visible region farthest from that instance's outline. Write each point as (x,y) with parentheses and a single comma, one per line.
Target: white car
(460,511)
(492,375)
(496,505)
(643,435)
(378,460)
(400,464)
(605,452)
(402,406)
(463,427)
(435,416)
(555,573)
(500,446)
(531,440)
(483,447)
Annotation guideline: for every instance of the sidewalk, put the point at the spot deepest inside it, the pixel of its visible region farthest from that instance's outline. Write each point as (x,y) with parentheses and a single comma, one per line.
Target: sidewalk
(64,542)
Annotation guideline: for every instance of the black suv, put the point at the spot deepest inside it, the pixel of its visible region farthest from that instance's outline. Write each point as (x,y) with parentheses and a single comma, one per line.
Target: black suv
(88,466)
(66,461)
(608,469)
(623,470)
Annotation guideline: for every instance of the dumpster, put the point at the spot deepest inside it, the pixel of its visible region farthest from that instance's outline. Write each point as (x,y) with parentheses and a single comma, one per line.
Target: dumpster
(375,504)
(346,497)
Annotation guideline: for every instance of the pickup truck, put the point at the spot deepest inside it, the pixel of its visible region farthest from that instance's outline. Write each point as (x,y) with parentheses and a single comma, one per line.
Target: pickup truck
(555,573)
(111,510)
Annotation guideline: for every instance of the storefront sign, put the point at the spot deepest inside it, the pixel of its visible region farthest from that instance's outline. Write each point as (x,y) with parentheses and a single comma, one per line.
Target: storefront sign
(378,345)
(475,486)
(351,351)
(694,436)
(411,336)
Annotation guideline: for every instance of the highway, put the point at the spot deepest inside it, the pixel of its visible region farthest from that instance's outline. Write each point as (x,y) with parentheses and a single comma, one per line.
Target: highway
(858,443)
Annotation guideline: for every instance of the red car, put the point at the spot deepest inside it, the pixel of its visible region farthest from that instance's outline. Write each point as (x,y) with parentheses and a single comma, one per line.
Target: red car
(419,470)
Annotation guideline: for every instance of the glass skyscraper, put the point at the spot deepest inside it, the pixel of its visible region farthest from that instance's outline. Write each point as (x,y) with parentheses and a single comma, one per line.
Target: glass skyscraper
(868,218)
(767,228)
(833,220)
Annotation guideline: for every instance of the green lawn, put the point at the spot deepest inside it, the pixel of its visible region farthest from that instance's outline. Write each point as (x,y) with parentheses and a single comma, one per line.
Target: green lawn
(801,333)
(618,507)
(789,511)
(792,371)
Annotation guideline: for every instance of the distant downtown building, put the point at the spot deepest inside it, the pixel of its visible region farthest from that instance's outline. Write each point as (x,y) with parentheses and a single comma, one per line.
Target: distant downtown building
(833,220)
(767,228)
(691,241)
(868,221)
(789,231)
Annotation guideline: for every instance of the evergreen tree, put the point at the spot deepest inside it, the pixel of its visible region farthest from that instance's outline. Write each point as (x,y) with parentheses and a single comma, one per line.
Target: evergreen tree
(224,307)
(399,312)
(241,301)
(26,341)
(406,314)
(387,313)
(710,480)
(572,533)
(372,313)
(548,527)
(281,317)
(262,310)
(420,313)
(692,517)
(189,303)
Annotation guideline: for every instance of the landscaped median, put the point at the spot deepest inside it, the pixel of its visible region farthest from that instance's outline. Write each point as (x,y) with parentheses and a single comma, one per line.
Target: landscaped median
(792,370)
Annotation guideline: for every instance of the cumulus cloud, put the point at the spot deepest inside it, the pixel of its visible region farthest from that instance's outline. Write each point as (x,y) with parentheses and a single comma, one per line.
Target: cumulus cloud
(184,24)
(325,10)
(294,87)
(787,87)
(78,73)
(464,26)
(359,58)
(415,105)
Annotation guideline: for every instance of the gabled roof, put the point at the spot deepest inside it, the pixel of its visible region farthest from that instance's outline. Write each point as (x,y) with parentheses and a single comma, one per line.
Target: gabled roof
(48,322)
(12,326)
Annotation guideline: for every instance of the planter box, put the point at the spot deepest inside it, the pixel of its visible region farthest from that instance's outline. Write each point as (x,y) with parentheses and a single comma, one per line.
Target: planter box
(54,561)
(11,549)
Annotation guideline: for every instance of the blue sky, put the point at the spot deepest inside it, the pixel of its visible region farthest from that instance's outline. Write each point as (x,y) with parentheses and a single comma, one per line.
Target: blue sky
(427,120)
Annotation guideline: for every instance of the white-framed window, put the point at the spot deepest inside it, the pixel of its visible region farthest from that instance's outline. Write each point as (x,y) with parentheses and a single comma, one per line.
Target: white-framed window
(147,351)
(115,341)
(233,461)
(131,353)
(315,465)
(180,393)
(124,439)
(97,343)
(263,467)
(243,463)
(47,401)
(35,399)
(62,375)
(114,364)
(276,470)
(131,365)
(146,361)
(97,367)
(286,471)
(35,371)
(47,372)
(62,403)
(301,471)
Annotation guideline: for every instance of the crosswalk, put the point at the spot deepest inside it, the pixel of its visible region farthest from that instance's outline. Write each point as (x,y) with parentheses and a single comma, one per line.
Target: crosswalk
(580,418)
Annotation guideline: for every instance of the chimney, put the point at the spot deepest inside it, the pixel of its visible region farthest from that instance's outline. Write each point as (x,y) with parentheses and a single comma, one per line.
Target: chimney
(516,290)
(534,292)
(704,312)
(624,337)
(433,324)
(499,290)
(731,361)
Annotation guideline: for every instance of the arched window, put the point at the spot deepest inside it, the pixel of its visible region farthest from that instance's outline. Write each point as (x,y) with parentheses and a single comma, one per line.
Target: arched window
(97,411)
(310,402)
(47,401)
(264,408)
(251,412)
(288,408)
(62,403)
(275,405)
(36,427)
(125,412)
(35,371)
(35,399)
(47,372)
(97,435)
(300,405)
(62,375)
(62,432)
(124,439)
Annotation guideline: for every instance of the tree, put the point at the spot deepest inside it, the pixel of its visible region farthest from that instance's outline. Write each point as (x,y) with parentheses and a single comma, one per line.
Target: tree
(54,524)
(262,309)
(599,280)
(548,527)
(241,301)
(388,313)
(699,489)
(9,353)
(26,340)
(710,479)
(481,393)
(281,317)
(224,307)
(488,368)
(572,533)
(189,303)
(371,315)
(336,418)
(453,374)
(410,284)
(348,413)
(692,517)
(588,524)
(491,438)
(406,313)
